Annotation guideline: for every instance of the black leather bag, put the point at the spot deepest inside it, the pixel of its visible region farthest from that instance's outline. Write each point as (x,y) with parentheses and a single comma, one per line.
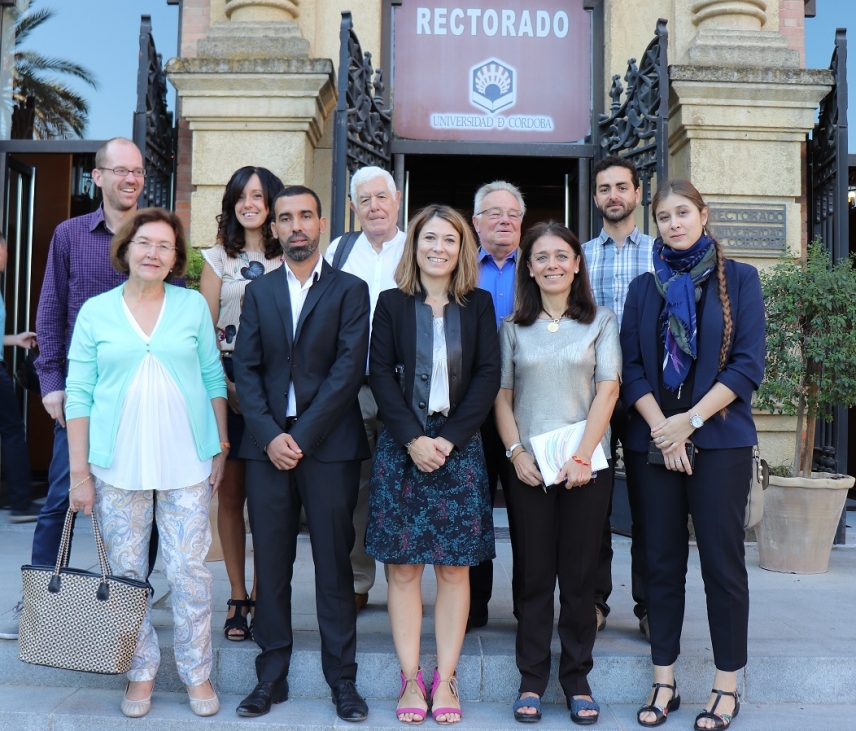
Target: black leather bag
(26,376)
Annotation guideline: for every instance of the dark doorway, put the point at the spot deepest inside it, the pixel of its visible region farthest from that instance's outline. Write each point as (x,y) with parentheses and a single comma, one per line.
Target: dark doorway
(61,187)
(549,185)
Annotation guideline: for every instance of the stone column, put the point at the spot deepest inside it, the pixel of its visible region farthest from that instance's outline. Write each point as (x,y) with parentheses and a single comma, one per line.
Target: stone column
(739,112)
(251,96)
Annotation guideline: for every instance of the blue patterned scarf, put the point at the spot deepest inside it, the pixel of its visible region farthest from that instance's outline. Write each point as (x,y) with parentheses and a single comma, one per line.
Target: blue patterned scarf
(679,276)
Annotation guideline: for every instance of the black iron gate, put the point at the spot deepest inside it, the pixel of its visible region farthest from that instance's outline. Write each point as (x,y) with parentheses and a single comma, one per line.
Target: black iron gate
(638,128)
(362,127)
(829,221)
(154,132)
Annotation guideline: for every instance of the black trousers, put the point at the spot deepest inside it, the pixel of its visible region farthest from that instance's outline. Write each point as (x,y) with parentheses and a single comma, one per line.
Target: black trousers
(498,467)
(328,493)
(603,586)
(557,535)
(13,440)
(715,495)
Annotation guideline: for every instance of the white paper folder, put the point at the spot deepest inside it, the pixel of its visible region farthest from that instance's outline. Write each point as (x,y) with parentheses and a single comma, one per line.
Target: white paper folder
(553,448)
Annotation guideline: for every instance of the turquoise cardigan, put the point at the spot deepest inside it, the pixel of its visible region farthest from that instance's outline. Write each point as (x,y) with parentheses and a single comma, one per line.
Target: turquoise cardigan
(106,353)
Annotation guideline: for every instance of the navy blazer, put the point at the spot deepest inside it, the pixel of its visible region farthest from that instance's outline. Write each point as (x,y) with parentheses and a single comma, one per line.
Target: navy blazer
(473,368)
(325,359)
(640,330)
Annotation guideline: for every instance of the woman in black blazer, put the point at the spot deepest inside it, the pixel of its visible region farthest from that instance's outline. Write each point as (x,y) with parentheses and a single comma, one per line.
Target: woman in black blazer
(693,343)
(434,371)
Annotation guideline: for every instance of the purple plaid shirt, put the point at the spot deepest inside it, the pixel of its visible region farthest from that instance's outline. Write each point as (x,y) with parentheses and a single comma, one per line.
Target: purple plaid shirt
(78,268)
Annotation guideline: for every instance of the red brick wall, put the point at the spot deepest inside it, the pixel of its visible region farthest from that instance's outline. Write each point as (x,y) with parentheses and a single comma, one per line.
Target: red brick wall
(195,21)
(792,25)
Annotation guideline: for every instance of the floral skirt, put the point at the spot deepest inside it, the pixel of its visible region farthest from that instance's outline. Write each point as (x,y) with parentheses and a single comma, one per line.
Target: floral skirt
(442,517)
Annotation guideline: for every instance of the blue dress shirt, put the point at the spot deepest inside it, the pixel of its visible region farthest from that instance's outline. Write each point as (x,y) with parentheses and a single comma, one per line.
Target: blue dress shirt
(499,282)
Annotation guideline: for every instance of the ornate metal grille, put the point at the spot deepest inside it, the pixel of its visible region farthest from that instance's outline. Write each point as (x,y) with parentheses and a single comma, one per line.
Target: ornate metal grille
(638,127)
(828,160)
(362,128)
(827,192)
(154,132)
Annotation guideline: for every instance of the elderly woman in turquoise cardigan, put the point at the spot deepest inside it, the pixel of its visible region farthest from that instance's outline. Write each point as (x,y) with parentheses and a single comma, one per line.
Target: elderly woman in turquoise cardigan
(146,414)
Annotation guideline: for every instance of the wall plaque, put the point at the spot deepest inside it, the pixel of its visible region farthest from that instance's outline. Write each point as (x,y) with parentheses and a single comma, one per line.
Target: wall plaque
(492,70)
(756,229)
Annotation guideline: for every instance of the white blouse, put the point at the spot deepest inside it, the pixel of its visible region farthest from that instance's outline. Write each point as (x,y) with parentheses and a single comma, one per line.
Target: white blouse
(438,398)
(155,449)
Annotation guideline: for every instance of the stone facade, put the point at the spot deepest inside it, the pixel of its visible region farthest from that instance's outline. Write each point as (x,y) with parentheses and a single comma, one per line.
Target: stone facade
(256,83)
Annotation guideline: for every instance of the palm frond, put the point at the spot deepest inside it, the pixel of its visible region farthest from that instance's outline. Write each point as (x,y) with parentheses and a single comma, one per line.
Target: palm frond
(60,112)
(27,61)
(26,24)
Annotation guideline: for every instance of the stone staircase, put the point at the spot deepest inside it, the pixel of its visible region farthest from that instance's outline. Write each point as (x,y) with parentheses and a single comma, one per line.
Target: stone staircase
(801,672)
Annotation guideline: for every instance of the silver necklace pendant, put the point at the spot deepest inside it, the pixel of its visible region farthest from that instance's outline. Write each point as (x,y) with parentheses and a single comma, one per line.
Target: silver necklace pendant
(553,327)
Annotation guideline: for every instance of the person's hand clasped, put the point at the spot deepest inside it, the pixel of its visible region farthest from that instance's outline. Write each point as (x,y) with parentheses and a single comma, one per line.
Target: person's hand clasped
(671,436)
(427,454)
(527,470)
(575,473)
(82,494)
(284,452)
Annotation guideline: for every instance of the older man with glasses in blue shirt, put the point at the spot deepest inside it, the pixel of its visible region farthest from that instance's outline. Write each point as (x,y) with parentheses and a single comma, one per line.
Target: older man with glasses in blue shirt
(499,211)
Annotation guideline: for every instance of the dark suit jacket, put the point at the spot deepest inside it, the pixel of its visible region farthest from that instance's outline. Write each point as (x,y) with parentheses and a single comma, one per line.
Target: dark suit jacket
(325,358)
(474,365)
(640,330)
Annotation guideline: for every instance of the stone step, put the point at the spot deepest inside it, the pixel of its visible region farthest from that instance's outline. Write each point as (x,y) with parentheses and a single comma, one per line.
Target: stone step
(28,708)
(777,672)
(801,639)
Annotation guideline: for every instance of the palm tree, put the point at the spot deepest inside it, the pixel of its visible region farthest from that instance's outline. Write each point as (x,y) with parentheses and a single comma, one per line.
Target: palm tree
(59,111)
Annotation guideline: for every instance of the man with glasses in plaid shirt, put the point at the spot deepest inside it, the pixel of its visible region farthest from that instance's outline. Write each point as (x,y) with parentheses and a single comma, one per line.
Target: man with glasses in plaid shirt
(614,259)
(78,268)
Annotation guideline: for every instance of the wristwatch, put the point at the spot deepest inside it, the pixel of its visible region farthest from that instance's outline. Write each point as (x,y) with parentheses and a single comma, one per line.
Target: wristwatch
(510,450)
(695,420)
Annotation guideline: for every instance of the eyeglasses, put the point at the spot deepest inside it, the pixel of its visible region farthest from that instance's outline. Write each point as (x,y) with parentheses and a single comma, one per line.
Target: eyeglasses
(494,214)
(123,172)
(148,246)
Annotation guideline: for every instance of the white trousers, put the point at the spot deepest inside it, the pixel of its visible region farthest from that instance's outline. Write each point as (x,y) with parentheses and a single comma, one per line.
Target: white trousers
(125,519)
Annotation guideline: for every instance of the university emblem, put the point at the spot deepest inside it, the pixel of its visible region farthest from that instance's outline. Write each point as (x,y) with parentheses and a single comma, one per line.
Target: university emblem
(493,85)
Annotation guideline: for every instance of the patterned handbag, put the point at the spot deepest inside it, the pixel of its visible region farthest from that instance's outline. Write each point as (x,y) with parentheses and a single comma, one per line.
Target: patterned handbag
(80,620)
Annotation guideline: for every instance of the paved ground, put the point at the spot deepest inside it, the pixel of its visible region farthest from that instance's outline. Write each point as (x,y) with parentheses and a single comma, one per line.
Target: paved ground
(801,673)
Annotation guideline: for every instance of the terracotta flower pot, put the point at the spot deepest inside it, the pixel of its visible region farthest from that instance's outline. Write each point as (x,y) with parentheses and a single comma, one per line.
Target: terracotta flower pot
(800,518)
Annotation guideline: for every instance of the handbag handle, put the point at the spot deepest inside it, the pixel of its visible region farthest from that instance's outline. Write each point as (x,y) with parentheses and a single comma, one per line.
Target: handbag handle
(65,550)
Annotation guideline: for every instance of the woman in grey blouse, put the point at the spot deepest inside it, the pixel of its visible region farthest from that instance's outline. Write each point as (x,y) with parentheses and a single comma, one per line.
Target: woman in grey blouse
(561,363)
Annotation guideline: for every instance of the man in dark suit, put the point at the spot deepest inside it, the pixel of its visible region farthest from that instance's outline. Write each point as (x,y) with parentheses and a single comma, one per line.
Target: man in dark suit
(299,364)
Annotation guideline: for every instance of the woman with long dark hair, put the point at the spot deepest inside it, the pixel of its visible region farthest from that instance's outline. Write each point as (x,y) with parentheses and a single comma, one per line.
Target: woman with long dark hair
(560,365)
(434,369)
(693,342)
(245,250)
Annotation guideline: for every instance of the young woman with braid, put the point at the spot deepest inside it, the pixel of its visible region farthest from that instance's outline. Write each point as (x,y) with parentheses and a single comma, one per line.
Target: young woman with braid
(692,337)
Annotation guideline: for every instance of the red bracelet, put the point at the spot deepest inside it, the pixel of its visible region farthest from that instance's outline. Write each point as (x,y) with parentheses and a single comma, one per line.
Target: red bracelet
(579,461)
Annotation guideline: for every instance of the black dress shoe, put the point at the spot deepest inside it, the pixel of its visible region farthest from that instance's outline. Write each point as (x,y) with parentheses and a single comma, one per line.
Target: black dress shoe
(474,621)
(350,705)
(259,701)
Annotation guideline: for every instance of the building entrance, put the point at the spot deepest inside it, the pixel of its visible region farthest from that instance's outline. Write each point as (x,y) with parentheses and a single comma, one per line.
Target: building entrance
(551,186)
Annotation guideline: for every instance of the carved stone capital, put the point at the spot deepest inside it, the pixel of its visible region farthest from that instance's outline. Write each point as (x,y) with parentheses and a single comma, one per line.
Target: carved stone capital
(262,10)
(729,14)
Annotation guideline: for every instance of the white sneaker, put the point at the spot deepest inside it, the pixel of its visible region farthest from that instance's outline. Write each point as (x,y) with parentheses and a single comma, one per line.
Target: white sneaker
(10,622)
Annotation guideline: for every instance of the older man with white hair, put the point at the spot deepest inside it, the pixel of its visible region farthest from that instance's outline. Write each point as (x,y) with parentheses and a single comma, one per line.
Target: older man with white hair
(371,254)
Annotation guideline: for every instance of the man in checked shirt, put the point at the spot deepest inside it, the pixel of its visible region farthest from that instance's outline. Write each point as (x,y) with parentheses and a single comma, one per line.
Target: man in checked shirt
(78,268)
(614,259)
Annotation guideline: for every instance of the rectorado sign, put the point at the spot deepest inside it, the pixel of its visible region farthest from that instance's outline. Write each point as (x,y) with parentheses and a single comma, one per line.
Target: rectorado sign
(481,71)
